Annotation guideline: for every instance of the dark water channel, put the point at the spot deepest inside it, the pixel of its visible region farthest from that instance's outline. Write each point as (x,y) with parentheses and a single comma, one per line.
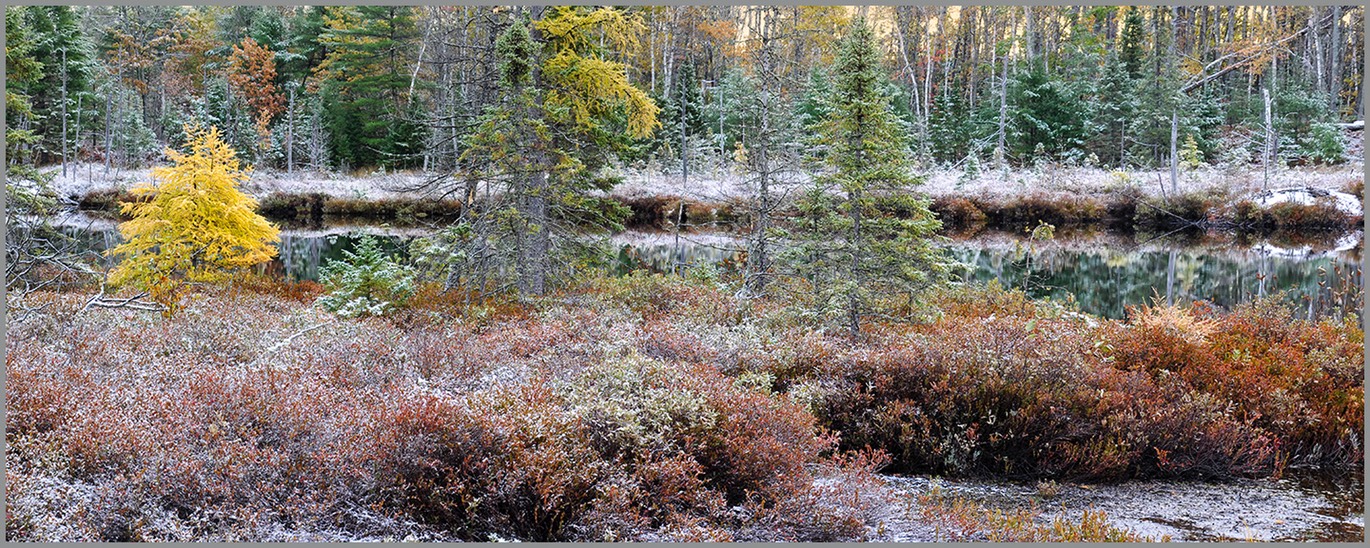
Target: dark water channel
(1102,273)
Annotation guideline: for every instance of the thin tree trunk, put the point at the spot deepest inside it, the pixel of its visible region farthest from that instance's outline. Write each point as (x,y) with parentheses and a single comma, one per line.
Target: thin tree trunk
(64,112)
(536,247)
(651,52)
(1174,157)
(536,236)
(999,152)
(758,257)
(1170,279)
(290,135)
(1175,108)
(1321,75)
(77,151)
(109,146)
(1269,141)
(1334,83)
(918,112)
(853,296)
(684,178)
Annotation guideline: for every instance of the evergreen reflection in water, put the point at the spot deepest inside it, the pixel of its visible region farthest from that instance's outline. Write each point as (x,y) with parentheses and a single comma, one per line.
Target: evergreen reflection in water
(1102,273)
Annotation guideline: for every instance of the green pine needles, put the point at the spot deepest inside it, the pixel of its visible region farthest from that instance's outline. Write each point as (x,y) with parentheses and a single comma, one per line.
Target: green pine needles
(864,240)
(366,282)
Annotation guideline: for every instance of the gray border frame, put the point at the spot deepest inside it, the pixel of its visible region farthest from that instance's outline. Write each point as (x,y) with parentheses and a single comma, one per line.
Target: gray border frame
(1365,108)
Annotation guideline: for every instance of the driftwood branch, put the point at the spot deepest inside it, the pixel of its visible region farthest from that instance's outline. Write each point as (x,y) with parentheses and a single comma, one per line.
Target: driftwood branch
(296,335)
(285,342)
(102,300)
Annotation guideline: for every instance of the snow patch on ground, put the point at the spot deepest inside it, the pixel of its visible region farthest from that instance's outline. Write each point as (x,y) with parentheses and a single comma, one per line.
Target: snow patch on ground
(1347,203)
(1346,242)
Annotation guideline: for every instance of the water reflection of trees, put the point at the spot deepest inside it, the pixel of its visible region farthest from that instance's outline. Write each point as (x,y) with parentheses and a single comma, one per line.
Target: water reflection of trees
(663,257)
(1104,282)
(1103,274)
(300,257)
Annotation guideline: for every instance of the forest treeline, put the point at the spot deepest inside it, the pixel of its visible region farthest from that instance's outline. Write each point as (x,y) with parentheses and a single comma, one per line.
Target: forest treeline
(405,87)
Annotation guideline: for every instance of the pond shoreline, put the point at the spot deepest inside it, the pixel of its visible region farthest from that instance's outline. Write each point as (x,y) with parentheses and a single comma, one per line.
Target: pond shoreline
(1118,211)
(1100,271)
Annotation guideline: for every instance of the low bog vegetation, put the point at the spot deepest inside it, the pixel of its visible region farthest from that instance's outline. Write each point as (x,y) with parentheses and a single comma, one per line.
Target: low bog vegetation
(641,408)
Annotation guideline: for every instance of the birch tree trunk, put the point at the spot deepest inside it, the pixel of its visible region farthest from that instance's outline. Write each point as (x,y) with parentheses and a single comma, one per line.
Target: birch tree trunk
(290,135)
(1334,83)
(64,112)
(109,146)
(1269,141)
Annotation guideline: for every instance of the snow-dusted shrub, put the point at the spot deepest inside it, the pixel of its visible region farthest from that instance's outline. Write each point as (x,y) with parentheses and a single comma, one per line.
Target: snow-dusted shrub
(367,282)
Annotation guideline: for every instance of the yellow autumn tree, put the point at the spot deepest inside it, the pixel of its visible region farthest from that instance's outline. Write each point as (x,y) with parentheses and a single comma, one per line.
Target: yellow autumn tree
(193,224)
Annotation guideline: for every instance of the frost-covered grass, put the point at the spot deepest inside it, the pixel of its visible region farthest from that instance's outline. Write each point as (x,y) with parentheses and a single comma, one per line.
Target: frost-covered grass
(721,186)
(1060,195)
(957,519)
(84,178)
(645,407)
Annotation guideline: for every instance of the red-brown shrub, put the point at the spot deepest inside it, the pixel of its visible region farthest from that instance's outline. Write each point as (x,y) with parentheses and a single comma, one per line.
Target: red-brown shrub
(957,211)
(352,429)
(1300,380)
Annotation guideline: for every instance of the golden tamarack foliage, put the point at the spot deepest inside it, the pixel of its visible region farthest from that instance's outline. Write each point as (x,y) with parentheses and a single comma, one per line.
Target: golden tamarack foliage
(583,80)
(194,225)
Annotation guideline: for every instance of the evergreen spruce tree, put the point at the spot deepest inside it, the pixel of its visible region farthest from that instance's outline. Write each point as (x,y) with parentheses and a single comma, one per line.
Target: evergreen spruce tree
(365,86)
(815,103)
(681,114)
(950,128)
(1048,114)
(812,111)
(69,69)
(731,111)
(854,250)
(1114,108)
(971,172)
(565,109)
(1130,48)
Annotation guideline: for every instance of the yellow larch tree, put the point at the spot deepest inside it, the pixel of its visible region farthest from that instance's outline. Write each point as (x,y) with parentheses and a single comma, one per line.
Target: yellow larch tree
(193,224)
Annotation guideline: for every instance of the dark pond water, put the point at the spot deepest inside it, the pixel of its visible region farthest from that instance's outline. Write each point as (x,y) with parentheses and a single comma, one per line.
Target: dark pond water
(1104,273)
(1100,272)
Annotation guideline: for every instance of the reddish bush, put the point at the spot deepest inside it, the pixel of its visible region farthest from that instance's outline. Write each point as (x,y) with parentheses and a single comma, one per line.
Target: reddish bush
(1033,208)
(958,212)
(1289,215)
(351,429)
(647,408)
(1300,380)
(303,291)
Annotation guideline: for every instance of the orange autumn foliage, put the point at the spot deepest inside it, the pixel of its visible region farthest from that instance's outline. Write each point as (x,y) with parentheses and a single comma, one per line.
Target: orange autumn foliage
(253,74)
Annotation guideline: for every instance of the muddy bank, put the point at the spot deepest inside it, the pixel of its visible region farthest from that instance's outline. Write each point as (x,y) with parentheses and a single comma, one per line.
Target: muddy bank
(1303,507)
(1122,211)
